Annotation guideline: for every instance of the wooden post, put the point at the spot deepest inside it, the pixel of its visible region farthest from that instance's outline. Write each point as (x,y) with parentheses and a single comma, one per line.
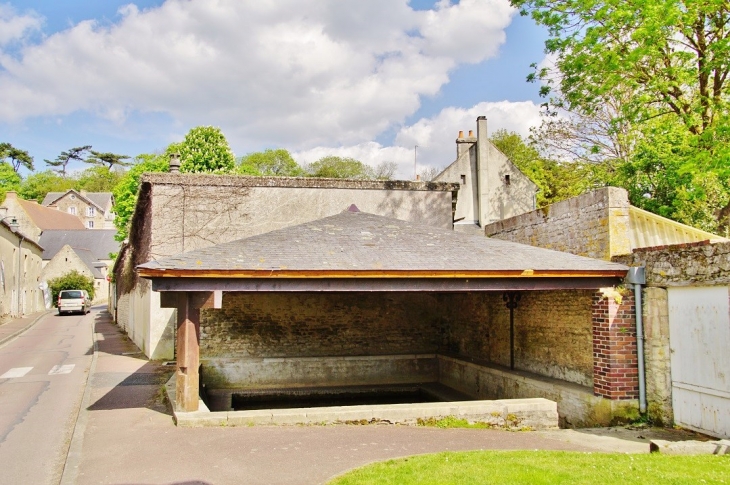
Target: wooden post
(188,305)
(188,355)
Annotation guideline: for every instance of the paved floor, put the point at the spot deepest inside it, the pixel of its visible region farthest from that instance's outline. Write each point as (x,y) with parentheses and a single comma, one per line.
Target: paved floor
(125,435)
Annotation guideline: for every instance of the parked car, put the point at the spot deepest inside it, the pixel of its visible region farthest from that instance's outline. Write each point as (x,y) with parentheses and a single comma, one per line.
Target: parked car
(72,301)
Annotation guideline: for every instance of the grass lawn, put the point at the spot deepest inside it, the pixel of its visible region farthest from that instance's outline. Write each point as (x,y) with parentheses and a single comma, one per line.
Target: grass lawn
(542,467)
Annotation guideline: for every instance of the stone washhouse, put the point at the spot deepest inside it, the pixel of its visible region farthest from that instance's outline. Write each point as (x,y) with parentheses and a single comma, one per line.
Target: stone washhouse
(358,299)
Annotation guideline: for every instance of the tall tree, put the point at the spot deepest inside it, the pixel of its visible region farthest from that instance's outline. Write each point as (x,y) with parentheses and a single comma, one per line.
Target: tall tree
(9,179)
(64,158)
(15,157)
(277,162)
(125,192)
(672,55)
(339,167)
(204,149)
(108,160)
(36,185)
(98,179)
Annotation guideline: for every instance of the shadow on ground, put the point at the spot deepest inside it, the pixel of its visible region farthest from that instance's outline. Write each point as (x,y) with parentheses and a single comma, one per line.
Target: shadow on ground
(134,385)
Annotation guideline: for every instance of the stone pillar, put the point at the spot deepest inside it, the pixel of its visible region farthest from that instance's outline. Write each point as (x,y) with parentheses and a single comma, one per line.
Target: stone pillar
(657,356)
(615,364)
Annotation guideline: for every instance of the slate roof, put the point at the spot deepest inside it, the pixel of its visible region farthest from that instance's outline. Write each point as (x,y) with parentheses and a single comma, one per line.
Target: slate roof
(46,218)
(360,244)
(102,200)
(99,241)
(88,259)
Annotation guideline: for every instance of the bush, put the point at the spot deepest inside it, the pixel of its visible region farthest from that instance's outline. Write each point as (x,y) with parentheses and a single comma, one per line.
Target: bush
(71,281)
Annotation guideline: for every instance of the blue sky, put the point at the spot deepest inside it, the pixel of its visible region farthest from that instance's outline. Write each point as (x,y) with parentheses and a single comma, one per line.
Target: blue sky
(351,78)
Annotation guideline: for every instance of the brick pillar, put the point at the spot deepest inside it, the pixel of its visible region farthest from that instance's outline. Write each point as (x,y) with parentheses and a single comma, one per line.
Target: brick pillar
(615,363)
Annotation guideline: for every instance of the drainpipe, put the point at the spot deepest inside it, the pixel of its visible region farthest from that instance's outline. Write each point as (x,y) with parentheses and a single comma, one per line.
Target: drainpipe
(20,243)
(637,277)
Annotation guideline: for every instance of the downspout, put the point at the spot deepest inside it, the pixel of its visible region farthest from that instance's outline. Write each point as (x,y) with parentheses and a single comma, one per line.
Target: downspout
(20,243)
(637,277)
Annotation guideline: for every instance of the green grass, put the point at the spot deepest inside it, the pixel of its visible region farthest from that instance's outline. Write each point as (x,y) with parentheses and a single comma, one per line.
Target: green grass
(542,467)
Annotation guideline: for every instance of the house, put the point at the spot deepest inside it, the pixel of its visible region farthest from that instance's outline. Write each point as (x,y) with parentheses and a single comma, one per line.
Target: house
(491,188)
(88,252)
(94,209)
(358,299)
(20,269)
(34,218)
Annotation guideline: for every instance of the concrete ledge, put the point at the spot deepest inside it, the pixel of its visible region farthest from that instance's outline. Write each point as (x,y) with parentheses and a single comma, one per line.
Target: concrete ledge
(535,413)
(721,447)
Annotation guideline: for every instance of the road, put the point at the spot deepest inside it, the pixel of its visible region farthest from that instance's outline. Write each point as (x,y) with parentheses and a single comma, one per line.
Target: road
(43,373)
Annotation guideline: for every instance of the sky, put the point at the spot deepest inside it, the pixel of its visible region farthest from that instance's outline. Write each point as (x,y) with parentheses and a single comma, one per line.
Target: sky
(364,79)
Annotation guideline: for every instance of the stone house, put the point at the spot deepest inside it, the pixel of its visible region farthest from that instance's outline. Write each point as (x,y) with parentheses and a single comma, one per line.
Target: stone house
(491,188)
(94,209)
(20,269)
(88,252)
(34,218)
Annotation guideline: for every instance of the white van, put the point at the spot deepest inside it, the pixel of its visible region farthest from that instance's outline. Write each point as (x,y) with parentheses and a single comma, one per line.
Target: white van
(72,301)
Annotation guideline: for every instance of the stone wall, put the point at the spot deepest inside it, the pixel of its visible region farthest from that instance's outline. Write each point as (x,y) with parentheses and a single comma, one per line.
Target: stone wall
(595,224)
(552,329)
(80,210)
(688,264)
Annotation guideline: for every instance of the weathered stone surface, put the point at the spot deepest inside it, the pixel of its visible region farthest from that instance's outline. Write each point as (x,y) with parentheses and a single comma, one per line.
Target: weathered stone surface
(595,224)
(683,264)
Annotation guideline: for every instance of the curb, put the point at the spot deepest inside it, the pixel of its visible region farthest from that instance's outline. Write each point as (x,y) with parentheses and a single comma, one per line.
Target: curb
(10,337)
(73,455)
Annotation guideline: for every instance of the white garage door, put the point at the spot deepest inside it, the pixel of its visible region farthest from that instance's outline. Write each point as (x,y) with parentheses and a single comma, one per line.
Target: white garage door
(699,338)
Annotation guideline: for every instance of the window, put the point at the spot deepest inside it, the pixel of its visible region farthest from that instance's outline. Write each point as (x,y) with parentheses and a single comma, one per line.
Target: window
(463,179)
(72,210)
(90,211)
(90,224)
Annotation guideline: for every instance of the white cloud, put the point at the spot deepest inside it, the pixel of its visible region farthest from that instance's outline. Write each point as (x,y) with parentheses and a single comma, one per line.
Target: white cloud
(14,27)
(435,136)
(296,73)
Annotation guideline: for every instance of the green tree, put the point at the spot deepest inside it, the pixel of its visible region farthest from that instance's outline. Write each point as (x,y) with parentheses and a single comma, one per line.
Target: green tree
(15,157)
(107,159)
(672,55)
(340,168)
(9,179)
(204,149)
(36,185)
(125,192)
(271,162)
(73,280)
(98,179)
(556,180)
(64,158)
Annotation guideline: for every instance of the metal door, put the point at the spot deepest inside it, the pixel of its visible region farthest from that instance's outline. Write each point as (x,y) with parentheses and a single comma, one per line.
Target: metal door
(699,339)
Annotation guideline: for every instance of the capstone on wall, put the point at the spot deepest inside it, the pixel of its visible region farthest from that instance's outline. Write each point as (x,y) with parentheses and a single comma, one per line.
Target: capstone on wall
(687,264)
(595,224)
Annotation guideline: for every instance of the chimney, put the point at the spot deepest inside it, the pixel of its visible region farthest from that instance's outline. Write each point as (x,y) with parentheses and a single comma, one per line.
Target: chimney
(174,162)
(463,144)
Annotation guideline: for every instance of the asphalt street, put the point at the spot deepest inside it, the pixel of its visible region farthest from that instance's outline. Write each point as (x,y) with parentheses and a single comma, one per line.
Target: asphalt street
(43,373)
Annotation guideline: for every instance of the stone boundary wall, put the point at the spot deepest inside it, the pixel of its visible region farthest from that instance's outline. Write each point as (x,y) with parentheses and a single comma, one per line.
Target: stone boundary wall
(689,264)
(595,225)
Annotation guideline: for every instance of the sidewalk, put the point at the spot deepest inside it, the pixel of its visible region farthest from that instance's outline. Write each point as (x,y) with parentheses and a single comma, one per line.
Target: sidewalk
(126,435)
(13,328)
